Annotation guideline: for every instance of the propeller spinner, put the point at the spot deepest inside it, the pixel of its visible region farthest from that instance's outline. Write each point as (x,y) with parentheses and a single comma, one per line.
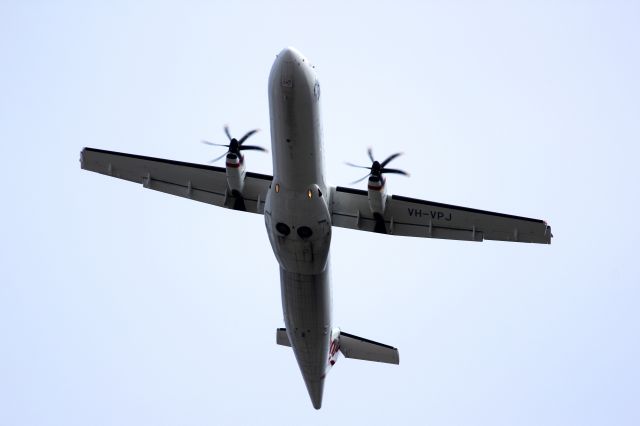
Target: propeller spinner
(378,168)
(235,145)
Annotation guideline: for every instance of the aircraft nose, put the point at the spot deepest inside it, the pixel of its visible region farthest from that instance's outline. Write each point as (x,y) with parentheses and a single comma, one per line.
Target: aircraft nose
(290,54)
(292,70)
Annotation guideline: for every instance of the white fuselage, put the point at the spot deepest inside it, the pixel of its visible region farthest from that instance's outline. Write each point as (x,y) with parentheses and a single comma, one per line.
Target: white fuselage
(297,215)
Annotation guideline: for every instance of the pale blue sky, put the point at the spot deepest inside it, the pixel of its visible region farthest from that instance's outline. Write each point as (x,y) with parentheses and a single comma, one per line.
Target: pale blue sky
(124,306)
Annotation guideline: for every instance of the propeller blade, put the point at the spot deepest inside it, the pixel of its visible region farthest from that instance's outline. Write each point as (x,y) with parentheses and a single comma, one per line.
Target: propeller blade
(252,148)
(370,152)
(226,130)
(361,179)
(390,158)
(394,171)
(377,169)
(217,158)
(245,137)
(355,165)
(214,144)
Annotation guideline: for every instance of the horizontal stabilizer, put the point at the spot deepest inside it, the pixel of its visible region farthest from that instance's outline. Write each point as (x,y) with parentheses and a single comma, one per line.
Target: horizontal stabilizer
(360,348)
(282,338)
(354,347)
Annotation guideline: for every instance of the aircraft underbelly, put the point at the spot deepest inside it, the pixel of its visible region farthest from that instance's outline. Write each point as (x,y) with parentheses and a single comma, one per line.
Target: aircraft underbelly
(297,216)
(296,133)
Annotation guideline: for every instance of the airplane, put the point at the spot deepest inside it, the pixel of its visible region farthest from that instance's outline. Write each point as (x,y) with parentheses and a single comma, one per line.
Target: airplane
(300,209)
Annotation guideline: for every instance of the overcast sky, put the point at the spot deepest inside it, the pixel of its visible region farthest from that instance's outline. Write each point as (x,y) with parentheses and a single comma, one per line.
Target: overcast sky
(123,306)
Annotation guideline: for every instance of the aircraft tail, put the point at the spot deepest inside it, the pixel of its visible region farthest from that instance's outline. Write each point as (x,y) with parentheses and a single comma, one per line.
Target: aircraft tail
(352,346)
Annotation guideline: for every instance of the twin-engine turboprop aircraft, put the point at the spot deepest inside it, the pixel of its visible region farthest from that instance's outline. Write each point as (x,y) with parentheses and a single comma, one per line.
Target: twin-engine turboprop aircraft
(300,210)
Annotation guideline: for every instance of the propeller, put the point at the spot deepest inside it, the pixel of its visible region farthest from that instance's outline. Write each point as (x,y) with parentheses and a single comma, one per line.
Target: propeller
(378,168)
(235,145)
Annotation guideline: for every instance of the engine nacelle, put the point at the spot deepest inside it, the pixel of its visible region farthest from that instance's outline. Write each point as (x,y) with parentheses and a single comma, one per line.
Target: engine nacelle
(236,171)
(377,195)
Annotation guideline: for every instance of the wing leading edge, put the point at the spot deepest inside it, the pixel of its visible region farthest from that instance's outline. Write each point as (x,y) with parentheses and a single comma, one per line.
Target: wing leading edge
(421,218)
(207,184)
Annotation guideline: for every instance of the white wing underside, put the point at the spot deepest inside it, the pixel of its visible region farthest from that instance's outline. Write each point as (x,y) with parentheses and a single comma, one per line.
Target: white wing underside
(207,184)
(420,218)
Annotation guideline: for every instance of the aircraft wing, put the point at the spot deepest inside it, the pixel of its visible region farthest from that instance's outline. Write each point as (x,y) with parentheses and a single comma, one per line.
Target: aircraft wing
(199,182)
(420,218)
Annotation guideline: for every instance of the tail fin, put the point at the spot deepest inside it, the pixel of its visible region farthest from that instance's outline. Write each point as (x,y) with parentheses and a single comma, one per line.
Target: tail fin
(355,347)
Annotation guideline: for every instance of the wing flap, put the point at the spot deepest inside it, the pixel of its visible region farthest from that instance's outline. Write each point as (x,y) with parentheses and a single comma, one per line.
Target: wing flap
(193,192)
